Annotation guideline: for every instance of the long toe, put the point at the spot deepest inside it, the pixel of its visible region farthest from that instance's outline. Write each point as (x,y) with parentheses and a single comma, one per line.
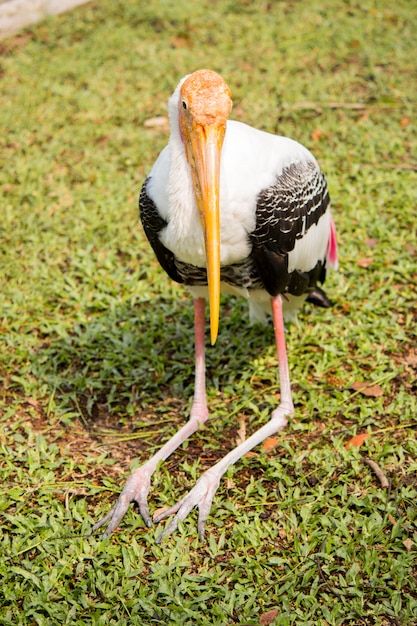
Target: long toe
(136,490)
(201,495)
(118,514)
(103,521)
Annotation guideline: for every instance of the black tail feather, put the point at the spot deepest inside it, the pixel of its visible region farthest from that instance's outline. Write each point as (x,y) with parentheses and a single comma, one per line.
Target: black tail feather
(319,298)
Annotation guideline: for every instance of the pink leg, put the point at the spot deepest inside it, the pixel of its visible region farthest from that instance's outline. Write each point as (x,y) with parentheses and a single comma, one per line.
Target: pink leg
(284,375)
(203,492)
(138,484)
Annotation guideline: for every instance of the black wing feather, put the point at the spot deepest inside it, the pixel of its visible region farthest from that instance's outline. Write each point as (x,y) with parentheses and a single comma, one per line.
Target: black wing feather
(284,213)
(152,224)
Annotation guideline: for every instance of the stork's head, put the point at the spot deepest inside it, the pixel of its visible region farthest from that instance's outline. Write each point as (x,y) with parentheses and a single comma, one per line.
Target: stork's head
(204,106)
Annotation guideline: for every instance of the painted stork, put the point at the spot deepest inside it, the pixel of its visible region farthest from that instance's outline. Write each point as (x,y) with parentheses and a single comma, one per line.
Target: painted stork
(228,208)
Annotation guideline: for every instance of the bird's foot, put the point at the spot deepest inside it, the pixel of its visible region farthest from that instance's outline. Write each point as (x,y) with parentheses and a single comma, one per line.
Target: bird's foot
(201,495)
(136,490)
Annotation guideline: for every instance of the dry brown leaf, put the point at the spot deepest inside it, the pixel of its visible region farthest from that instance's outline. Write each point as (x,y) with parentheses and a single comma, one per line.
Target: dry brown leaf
(181,42)
(411,357)
(317,134)
(270,443)
(161,510)
(357,440)
(375,391)
(268,617)
(365,261)
(153,122)
(409,544)
(230,483)
(241,435)
(34,403)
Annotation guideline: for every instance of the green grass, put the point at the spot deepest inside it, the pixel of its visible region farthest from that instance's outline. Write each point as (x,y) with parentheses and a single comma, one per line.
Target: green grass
(96,344)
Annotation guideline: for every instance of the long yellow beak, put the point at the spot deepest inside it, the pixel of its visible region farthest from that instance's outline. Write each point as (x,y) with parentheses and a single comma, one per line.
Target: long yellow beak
(204,150)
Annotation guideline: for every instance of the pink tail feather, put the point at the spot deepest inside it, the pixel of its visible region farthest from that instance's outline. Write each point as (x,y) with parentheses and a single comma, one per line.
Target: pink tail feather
(331,255)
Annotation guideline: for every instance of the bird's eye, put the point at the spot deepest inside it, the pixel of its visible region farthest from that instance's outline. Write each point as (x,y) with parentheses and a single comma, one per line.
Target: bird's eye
(184,105)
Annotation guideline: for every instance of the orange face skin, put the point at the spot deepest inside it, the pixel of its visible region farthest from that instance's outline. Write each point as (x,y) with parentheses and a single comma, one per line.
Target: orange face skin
(204,107)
